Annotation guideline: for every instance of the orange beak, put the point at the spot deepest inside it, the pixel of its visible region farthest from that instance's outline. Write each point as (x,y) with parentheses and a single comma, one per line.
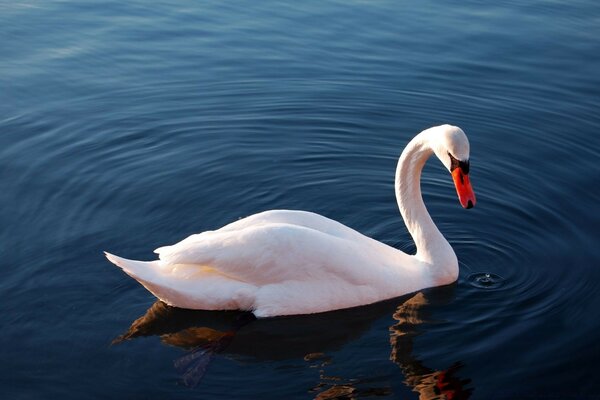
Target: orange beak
(463,188)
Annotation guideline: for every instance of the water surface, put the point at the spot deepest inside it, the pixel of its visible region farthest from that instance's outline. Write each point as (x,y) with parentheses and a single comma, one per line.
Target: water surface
(126,126)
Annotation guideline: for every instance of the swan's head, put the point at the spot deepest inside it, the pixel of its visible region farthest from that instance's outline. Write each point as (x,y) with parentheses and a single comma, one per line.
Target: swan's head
(451,146)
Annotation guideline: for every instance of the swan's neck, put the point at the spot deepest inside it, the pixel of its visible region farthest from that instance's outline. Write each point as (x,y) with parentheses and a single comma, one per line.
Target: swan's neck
(432,247)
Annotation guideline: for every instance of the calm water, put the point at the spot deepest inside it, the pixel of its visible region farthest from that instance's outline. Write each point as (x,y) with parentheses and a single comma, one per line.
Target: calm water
(125,126)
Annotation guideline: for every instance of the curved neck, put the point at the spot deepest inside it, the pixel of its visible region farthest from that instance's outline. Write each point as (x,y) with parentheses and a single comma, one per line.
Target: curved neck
(432,247)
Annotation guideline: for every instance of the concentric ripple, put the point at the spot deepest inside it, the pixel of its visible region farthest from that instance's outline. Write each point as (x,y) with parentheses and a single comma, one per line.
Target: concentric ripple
(485,280)
(125,126)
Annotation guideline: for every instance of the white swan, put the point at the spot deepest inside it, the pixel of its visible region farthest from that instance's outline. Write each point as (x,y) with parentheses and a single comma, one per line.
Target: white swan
(285,262)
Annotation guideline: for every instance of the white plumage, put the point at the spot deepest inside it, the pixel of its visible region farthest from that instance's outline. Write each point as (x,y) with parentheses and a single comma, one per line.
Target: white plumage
(284,262)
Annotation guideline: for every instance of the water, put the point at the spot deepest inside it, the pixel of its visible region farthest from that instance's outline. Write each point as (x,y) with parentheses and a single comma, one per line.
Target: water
(126,126)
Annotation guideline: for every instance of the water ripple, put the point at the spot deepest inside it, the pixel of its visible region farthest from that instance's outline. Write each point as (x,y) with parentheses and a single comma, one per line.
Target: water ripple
(127,126)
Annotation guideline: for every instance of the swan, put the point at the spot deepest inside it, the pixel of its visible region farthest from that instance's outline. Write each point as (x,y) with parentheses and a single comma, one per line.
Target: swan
(285,262)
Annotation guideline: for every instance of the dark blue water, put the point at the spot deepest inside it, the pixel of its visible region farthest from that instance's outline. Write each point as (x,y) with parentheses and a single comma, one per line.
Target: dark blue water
(125,126)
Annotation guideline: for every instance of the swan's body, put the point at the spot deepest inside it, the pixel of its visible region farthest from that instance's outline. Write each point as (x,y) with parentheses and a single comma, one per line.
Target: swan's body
(285,262)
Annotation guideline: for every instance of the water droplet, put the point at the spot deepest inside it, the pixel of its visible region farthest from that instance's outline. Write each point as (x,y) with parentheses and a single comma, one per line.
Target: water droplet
(485,280)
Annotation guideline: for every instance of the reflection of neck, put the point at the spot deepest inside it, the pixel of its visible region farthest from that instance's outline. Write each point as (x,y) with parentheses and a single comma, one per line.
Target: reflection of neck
(432,247)
(429,383)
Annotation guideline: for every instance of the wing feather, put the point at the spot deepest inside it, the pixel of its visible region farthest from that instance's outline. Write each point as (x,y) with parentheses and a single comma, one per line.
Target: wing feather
(267,253)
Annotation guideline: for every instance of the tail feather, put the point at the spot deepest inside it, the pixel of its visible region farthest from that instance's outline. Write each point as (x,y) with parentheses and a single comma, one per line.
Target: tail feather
(144,270)
(187,285)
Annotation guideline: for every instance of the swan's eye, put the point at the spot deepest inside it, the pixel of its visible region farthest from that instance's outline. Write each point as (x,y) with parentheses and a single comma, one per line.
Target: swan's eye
(455,163)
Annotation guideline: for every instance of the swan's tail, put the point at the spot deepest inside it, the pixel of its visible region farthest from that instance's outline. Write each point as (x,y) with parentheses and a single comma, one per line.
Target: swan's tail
(142,271)
(170,289)
(185,285)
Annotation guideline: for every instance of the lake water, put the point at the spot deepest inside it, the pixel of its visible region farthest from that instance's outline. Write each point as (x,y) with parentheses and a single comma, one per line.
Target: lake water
(125,126)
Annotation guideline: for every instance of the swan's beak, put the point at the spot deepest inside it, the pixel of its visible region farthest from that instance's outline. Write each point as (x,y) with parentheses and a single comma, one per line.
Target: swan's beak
(463,188)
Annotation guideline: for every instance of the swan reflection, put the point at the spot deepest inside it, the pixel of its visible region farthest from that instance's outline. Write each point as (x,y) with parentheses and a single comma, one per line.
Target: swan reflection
(207,333)
(429,383)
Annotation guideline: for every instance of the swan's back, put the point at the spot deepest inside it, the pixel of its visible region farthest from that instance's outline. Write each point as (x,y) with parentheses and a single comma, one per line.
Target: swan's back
(298,218)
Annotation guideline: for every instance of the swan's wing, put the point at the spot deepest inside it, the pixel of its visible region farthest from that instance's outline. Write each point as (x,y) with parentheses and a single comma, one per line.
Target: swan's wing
(271,217)
(272,253)
(305,219)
